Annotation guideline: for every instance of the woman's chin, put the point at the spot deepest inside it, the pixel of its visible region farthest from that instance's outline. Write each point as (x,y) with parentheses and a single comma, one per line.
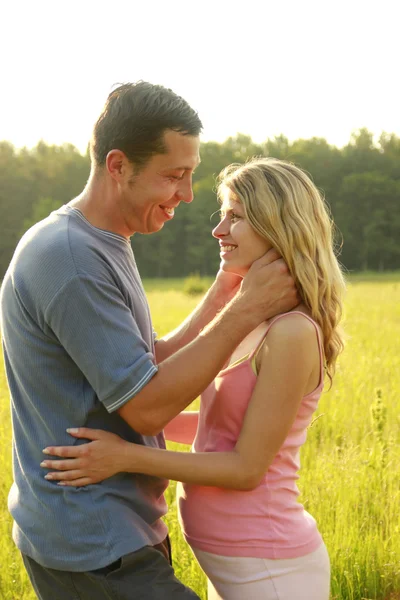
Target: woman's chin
(234,269)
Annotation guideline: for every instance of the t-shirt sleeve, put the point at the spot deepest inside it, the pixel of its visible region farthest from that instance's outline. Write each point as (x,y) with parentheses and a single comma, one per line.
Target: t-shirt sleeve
(93,323)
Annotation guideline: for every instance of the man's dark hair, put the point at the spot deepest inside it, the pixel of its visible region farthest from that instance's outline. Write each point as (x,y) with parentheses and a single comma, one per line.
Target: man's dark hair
(134,120)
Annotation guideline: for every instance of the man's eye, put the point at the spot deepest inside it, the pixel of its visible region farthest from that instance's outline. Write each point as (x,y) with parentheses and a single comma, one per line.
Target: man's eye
(176,177)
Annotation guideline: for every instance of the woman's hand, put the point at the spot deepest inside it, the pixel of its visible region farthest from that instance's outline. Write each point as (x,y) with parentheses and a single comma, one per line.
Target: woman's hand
(88,463)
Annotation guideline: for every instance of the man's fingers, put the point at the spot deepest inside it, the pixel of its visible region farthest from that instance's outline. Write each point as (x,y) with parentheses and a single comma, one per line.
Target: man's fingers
(271,256)
(277,267)
(281,266)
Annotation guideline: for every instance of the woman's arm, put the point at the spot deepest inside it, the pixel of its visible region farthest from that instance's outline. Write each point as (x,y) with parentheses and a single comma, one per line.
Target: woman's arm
(183,428)
(288,363)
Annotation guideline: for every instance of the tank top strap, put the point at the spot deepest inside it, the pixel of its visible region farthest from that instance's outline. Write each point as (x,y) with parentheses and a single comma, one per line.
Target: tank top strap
(254,353)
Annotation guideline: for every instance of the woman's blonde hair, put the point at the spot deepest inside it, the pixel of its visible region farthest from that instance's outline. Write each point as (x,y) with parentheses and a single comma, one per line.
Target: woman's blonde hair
(283,205)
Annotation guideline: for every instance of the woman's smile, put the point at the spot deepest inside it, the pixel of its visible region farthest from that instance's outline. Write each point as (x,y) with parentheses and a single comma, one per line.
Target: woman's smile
(240,244)
(226,249)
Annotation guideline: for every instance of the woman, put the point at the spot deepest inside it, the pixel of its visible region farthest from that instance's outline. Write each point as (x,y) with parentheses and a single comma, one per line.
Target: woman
(238,504)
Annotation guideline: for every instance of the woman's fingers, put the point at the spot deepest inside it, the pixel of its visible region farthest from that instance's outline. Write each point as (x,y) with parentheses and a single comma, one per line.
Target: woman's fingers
(77,432)
(61,465)
(80,482)
(81,450)
(85,432)
(67,451)
(89,463)
(70,475)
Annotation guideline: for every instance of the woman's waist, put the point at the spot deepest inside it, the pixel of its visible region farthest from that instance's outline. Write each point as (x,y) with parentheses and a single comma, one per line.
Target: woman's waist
(221,438)
(266,499)
(250,518)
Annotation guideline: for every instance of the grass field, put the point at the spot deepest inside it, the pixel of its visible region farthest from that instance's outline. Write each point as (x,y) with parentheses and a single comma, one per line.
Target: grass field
(350,476)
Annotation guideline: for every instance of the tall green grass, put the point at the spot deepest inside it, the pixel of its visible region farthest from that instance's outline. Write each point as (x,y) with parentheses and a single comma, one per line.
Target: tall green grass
(350,476)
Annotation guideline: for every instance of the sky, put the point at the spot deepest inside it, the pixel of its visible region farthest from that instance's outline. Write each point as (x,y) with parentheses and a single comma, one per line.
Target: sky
(302,68)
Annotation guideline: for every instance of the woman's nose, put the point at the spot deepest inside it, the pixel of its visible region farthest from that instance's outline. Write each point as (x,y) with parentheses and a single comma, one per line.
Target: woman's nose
(221,229)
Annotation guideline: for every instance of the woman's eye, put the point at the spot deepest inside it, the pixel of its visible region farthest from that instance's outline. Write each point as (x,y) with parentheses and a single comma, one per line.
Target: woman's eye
(233,217)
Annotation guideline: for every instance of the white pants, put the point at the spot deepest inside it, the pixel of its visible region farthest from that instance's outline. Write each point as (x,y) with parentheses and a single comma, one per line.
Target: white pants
(240,578)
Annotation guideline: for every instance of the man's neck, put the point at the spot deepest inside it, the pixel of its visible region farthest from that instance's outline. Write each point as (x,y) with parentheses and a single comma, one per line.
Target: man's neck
(97,205)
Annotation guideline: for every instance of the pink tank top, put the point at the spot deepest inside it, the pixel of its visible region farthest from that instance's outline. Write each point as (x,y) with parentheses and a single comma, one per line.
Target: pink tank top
(266,522)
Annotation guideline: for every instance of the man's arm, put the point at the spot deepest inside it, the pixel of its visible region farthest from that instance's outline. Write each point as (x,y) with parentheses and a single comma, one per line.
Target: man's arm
(184,375)
(222,291)
(267,290)
(290,346)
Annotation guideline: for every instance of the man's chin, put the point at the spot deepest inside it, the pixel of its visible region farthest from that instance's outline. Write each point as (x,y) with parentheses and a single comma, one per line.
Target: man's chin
(153,229)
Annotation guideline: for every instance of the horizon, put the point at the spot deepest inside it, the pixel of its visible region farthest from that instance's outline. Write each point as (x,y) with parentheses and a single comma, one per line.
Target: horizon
(83,151)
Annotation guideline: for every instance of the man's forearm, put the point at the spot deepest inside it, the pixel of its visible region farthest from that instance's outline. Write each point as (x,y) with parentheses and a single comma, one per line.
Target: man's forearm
(266,290)
(184,375)
(203,314)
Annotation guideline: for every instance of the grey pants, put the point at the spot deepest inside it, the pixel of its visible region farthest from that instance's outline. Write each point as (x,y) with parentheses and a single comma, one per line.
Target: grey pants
(142,575)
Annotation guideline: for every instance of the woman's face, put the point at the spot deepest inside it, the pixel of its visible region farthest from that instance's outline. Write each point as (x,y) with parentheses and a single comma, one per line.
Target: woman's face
(239,244)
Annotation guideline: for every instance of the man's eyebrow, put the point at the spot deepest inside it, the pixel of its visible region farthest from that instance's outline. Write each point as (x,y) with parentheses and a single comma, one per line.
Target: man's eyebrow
(183,167)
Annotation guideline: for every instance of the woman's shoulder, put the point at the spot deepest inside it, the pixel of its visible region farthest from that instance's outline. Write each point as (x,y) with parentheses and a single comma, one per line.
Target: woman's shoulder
(291,338)
(293,325)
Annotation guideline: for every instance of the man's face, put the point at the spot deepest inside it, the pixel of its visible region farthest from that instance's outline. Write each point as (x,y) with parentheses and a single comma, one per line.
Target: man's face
(149,198)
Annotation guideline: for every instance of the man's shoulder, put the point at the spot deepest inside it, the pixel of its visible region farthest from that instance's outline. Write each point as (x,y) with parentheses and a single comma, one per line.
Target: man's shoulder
(44,246)
(44,259)
(60,250)
(54,244)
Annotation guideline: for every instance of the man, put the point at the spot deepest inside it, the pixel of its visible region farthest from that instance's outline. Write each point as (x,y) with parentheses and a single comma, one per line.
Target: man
(79,350)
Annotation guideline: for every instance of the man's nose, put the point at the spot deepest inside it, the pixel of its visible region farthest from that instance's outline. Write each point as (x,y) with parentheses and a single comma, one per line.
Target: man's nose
(185,191)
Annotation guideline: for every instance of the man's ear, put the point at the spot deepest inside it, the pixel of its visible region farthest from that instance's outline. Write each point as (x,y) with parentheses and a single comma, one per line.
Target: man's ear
(118,165)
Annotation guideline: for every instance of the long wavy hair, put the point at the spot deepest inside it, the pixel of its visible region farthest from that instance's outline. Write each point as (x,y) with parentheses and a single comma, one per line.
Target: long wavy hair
(284,206)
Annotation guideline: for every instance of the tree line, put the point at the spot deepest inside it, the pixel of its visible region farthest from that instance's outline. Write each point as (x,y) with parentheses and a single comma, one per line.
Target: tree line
(361,184)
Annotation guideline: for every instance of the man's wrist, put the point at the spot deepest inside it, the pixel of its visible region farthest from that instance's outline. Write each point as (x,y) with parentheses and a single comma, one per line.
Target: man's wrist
(238,309)
(216,298)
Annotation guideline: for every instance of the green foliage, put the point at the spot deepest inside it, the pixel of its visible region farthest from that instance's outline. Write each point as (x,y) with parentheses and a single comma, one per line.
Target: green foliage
(349,480)
(194,285)
(41,210)
(31,182)
(361,183)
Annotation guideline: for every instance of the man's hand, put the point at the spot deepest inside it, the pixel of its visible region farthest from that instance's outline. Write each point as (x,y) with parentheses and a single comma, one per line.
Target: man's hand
(227,286)
(268,288)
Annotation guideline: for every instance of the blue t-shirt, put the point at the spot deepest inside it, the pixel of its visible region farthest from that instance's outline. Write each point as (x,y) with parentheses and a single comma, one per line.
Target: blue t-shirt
(78,343)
